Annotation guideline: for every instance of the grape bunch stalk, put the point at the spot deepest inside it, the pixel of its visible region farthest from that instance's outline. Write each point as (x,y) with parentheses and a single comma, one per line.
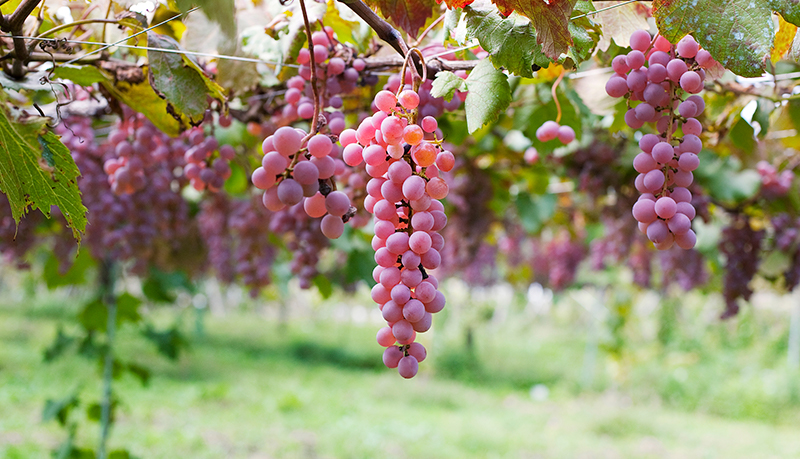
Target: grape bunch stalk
(657,74)
(403,195)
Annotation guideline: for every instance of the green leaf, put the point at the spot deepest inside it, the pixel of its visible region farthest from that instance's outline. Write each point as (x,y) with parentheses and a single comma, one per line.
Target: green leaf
(83,75)
(75,274)
(160,286)
(742,135)
(489,95)
(723,179)
(58,346)
(169,342)
(550,19)
(446,84)
(180,81)
(324,285)
(141,373)
(510,41)
(32,81)
(31,181)
(59,409)
(585,33)
(535,210)
(220,11)
(738,34)
(94,315)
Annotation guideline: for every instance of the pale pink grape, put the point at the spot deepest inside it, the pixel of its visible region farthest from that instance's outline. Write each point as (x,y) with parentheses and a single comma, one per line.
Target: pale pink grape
(547,131)
(408,367)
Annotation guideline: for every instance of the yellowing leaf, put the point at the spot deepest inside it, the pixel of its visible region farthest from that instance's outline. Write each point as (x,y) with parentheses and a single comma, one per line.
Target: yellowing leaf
(783,40)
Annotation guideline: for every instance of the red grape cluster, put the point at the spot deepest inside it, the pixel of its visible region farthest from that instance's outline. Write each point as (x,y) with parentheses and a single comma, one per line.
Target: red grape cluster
(774,185)
(297,168)
(403,195)
(233,231)
(741,245)
(338,73)
(657,80)
(207,163)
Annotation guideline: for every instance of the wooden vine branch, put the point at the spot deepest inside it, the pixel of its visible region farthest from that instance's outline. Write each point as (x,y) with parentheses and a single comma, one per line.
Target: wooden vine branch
(384,30)
(12,24)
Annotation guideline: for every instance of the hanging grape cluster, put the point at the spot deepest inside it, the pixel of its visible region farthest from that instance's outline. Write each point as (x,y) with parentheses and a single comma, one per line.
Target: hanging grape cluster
(403,159)
(657,74)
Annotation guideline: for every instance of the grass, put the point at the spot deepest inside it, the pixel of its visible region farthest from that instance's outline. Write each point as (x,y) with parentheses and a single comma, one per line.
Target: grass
(250,388)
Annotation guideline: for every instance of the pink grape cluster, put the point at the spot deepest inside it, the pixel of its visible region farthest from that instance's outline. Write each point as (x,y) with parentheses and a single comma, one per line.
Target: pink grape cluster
(656,74)
(295,169)
(774,185)
(207,163)
(403,195)
(551,130)
(336,74)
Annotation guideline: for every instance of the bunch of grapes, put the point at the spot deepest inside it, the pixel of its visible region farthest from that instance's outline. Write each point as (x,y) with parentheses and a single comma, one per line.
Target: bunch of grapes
(787,240)
(137,149)
(556,261)
(207,163)
(403,195)
(470,217)
(233,230)
(774,185)
(337,71)
(741,245)
(305,241)
(687,268)
(658,80)
(297,168)
(150,225)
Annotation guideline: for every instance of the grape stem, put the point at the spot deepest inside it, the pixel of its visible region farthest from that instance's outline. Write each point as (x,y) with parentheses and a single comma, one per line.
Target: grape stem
(555,98)
(315,90)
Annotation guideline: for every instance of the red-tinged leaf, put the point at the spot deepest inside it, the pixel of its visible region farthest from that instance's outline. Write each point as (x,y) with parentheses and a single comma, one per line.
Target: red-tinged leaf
(455,3)
(409,15)
(551,21)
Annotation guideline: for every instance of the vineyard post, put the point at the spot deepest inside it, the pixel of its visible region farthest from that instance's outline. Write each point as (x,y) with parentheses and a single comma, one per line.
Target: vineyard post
(107,286)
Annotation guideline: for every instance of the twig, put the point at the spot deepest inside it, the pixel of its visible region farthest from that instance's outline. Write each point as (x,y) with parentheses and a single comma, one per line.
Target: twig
(314,89)
(383,29)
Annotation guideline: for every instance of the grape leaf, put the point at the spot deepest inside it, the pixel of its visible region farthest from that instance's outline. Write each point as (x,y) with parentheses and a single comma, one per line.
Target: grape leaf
(489,95)
(446,84)
(738,34)
(409,15)
(83,75)
(220,11)
(585,33)
(180,81)
(37,171)
(134,90)
(783,40)
(510,41)
(619,23)
(550,19)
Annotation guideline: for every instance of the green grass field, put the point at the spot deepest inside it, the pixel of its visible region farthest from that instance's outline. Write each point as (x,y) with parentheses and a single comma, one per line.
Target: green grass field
(251,388)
